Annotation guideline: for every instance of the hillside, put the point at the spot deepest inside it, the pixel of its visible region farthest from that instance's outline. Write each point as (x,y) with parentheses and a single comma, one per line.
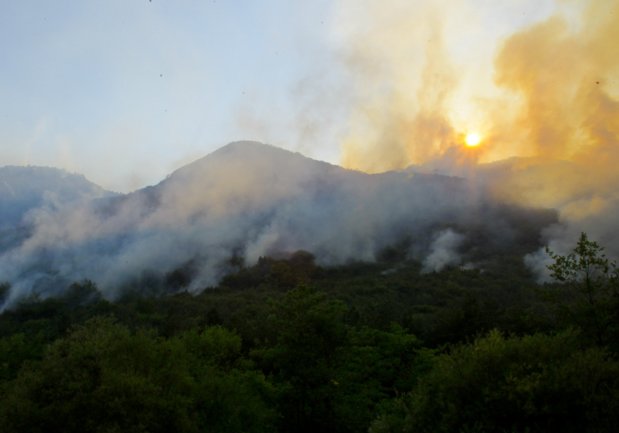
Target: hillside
(25,188)
(289,346)
(258,290)
(248,200)
(27,192)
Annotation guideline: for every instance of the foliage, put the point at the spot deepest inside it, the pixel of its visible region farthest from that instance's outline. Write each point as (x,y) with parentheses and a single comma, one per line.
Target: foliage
(104,378)
(536,383)
(593,279)
(285,273)
(4,291)
(586,264)
(308,331)
(373,367)
(289,346)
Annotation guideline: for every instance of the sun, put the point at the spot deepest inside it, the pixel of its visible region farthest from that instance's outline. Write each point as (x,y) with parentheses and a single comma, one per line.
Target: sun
(472,139)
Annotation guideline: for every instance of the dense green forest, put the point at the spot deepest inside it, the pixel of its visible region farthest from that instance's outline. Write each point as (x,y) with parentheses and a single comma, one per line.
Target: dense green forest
(290,346)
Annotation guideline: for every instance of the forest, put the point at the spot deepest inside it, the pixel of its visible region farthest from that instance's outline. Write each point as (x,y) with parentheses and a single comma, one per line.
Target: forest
(290,346)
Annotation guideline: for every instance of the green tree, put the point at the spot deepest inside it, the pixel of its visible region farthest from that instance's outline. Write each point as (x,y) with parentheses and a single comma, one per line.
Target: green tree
(537,383)
(592,278)
(102,377)
(15,349)
(372,367)
(308,330)
(5,289)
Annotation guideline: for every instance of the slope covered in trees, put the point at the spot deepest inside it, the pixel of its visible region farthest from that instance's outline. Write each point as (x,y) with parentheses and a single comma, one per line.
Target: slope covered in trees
(287,345)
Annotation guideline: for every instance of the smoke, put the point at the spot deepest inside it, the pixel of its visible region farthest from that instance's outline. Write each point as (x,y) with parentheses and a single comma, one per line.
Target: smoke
(545,100)
(249,200)
(403,83)
(443,251)
(566,75)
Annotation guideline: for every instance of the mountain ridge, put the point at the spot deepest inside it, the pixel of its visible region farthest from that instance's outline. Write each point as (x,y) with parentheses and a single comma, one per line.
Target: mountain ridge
(251,200)
(23,189)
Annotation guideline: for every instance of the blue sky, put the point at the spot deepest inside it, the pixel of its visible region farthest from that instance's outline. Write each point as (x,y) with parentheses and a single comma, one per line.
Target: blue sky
(125,91)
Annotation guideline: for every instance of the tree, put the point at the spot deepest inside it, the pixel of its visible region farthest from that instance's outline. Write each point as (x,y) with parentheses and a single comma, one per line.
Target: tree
(372,368)
(537,383)
(5,289)
(308,330)
(593,278)
(103,377)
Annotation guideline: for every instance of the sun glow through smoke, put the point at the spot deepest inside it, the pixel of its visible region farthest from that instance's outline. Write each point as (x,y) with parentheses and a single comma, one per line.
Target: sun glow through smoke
(472,139)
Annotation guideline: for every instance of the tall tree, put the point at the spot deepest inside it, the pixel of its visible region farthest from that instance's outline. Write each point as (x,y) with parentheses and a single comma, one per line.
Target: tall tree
(593,279)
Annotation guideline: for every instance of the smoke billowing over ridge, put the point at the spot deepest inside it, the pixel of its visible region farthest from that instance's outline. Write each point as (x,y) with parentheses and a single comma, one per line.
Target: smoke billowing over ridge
(544,100)
(249,200)
(547,97)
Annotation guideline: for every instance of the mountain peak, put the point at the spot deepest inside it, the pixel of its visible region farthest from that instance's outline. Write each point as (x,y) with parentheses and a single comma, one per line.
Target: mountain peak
(245,157)
(246,199)
(245,145)
(248,149)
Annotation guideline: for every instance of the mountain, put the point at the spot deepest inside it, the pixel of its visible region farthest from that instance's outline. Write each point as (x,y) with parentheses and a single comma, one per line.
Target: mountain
(27,191)
(25,188)
(248,200)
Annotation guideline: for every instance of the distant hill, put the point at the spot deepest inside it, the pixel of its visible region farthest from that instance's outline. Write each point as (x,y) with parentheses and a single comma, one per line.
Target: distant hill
(26,188)
(248,200)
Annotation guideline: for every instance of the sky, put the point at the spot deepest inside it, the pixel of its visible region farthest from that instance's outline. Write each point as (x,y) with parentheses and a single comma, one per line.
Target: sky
(126,91)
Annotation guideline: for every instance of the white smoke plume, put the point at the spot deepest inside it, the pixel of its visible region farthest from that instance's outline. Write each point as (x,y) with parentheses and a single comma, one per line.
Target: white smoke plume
(247,200)
(443,251)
